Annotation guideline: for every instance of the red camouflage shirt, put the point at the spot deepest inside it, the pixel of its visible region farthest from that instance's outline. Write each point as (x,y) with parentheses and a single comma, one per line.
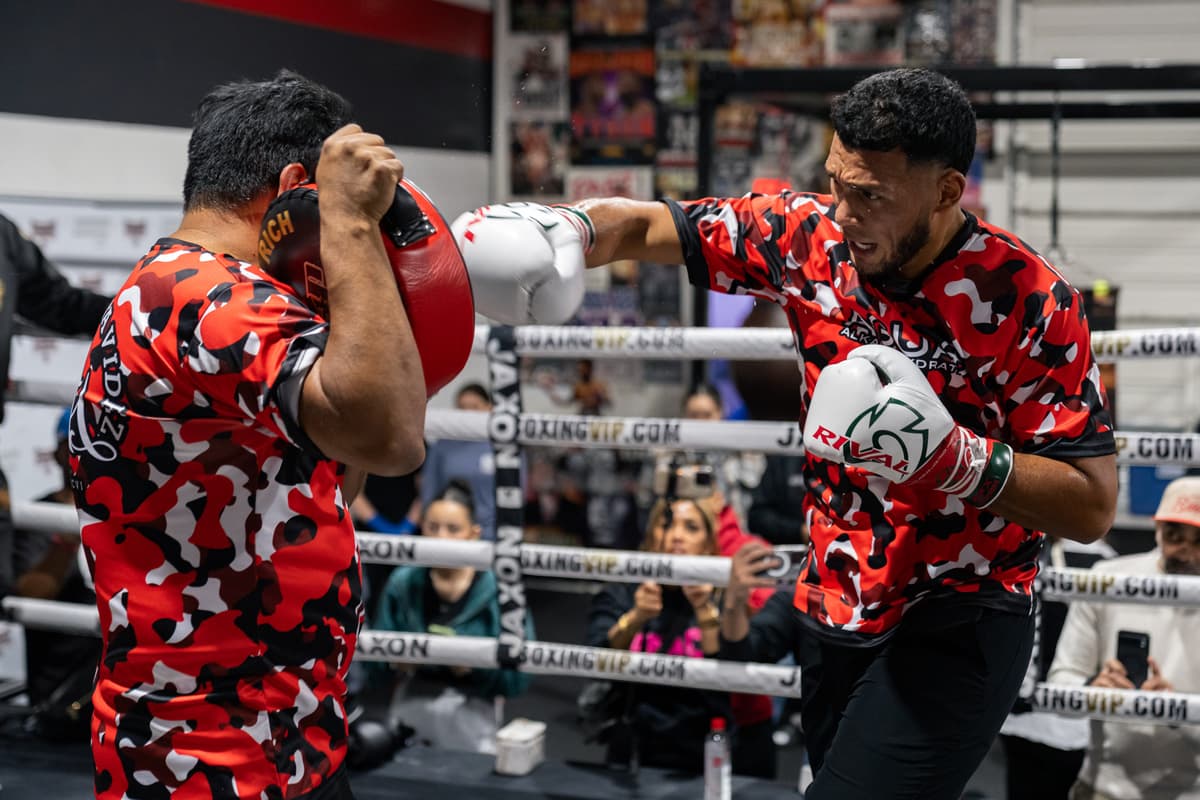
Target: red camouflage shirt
(1000,335)
(225,563)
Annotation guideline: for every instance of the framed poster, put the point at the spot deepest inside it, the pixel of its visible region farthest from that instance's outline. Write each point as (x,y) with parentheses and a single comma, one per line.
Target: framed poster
(613,110)
(538,71)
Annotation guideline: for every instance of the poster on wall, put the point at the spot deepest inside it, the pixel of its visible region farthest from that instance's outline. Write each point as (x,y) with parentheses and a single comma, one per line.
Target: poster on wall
(675,163)
(692,26)
(613,112)
(864,35)
(758,143)
(538,161)
(540,15)
(609,17)
(538,69)
(770,33)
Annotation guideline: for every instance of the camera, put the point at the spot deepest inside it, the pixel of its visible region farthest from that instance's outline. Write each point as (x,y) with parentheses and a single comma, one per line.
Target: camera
(675,481)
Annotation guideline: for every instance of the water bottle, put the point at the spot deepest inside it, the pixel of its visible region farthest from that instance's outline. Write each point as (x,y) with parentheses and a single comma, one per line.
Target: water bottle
(718,775)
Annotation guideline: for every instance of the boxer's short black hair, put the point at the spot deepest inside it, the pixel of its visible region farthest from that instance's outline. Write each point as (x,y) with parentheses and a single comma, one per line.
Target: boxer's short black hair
(924,114)
(245,132)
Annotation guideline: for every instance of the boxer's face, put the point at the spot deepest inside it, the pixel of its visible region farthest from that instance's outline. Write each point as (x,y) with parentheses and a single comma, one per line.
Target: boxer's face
(1180,547)
(446,519)
(885,204)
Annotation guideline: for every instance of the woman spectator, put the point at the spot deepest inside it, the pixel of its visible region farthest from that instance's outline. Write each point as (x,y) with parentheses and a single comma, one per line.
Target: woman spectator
(667,726)
(456,708)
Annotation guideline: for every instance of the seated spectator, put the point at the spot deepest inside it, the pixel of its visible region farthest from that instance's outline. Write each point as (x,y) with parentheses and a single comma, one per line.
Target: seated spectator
(472,461)
(1124,760)
(666,724)
(1043,750)
(776,503)
(60,667)
(457,708)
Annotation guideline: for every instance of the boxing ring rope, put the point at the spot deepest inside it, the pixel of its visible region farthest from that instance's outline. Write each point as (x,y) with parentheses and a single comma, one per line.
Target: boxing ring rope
(776,343)
(633,566)
(640,433)
(549,658)
(546,658)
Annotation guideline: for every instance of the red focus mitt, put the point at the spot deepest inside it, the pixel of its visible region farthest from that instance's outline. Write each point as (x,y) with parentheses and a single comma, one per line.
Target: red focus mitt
(425,260)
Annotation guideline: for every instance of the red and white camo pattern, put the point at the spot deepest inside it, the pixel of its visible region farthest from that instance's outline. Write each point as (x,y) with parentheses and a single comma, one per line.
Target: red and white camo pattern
(1000,335)
(225,562)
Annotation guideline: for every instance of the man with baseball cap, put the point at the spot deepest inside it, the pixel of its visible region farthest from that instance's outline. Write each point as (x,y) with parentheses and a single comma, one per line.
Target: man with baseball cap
(1126,761)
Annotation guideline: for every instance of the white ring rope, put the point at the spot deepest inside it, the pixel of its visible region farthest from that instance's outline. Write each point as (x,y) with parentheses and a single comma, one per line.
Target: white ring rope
(639,433)
(1118,705)
(633,566)
(578,661)
(776,343)
(549,658)
(1082,585)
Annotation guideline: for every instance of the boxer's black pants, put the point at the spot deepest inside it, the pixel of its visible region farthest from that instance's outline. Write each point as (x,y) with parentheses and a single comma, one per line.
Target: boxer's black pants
(915,716)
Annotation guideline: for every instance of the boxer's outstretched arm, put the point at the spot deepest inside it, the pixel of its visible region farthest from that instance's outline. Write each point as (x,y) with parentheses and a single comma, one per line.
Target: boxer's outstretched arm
(1074,498)
(631,229)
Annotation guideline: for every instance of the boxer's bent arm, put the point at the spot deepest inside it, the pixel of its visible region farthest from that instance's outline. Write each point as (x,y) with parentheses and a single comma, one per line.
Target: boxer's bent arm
(1072,498)
(363,402)
(632,229)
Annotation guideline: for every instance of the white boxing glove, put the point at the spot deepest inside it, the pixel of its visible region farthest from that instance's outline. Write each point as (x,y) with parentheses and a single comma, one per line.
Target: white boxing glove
(525,260)
(877,411)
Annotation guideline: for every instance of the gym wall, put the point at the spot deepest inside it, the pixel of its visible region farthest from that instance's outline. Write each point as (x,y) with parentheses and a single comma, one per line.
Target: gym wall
(1130,190)
(95,111)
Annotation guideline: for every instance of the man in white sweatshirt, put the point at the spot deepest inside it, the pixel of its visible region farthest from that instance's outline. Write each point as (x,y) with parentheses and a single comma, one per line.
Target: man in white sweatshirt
(1126,761)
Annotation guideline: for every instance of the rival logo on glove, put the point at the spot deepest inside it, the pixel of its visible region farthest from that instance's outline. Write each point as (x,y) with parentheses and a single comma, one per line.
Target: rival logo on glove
(867,443)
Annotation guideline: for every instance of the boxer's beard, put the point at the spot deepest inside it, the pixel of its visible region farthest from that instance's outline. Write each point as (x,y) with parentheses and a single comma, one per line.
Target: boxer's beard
(906,249)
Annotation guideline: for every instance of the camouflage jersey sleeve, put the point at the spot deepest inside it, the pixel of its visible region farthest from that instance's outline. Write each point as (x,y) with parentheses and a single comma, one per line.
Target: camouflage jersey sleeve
(247,354)
(756,244)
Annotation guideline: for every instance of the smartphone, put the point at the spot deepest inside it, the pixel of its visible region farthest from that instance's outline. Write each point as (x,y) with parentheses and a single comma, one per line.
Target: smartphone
(1133,650)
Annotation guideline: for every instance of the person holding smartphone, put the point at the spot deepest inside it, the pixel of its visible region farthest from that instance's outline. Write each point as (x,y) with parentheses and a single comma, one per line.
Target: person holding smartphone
(1146,647)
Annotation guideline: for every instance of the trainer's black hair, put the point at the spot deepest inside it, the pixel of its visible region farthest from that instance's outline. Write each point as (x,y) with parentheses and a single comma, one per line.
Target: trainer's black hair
(458,490)
(923,113)
(476,389)
(245,132)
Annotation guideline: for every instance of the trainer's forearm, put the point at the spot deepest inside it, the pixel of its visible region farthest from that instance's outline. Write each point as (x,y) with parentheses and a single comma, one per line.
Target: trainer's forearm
(631,229)
(1072,499)
(371,370)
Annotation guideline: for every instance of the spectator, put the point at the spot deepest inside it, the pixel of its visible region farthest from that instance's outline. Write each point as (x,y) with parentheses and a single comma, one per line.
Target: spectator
(472,461)
(34,289)
(667,726)
(1126,761)
(60,667)
(453,707)
(777,503)
(1044,751)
